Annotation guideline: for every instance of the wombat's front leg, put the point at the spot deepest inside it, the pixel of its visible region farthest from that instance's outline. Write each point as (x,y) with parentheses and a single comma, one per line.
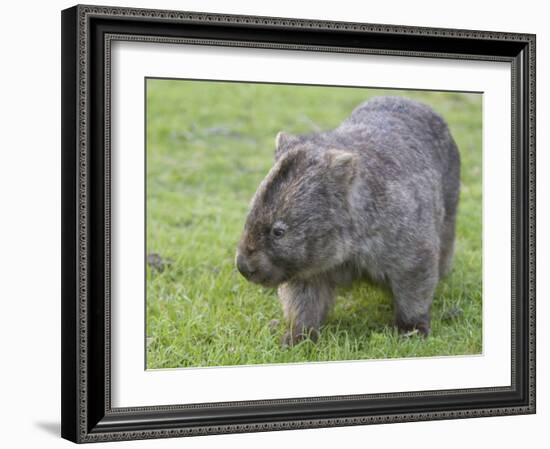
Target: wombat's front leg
(413,295)
(305,306)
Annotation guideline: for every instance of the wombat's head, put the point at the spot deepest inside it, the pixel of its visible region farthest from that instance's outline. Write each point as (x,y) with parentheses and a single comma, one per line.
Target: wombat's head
(299,218)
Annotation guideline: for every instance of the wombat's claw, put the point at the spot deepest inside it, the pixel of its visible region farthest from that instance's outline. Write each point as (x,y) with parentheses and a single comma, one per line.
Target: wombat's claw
(410,333)
(421,330)
(410,329)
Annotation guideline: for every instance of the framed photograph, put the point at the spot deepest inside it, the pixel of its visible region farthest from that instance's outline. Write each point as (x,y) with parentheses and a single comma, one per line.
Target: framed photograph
(275,224)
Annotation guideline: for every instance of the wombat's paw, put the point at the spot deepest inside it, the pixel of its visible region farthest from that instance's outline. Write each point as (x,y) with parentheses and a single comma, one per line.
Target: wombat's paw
(421,328)
(273,325)
(291,338)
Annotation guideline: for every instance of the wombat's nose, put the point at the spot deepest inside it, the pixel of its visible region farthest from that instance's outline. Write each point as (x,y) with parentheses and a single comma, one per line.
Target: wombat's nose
(243,267)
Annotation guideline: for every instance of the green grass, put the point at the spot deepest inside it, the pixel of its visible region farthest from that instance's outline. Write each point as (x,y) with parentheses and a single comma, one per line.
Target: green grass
(208,147)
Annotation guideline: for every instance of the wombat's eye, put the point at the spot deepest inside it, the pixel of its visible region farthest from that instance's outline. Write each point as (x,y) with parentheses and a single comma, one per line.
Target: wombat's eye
(277,231)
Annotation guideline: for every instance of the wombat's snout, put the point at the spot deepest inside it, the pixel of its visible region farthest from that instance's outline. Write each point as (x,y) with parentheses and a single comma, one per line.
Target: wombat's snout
(244,266)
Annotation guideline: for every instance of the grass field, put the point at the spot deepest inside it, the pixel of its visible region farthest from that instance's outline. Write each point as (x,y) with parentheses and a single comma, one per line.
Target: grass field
(208,147)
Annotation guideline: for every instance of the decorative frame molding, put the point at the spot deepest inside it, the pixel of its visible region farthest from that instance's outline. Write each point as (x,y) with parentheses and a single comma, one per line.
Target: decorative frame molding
(87,33)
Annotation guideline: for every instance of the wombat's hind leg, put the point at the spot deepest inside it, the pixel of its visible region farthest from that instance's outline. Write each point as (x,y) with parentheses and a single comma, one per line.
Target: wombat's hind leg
(413,294)
(447,244)
(451,193)
(305,306)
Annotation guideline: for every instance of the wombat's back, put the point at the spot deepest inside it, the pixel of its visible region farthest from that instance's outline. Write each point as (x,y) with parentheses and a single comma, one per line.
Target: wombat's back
(409,131)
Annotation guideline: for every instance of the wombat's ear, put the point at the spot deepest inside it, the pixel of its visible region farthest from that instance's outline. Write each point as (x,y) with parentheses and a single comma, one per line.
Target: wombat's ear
(283,142)
(341,165)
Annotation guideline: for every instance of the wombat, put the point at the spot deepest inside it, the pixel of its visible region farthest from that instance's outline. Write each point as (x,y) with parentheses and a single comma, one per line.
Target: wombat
(375,198)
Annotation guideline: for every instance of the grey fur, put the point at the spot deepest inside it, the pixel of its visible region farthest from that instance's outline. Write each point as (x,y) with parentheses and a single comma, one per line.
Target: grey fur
(374,198)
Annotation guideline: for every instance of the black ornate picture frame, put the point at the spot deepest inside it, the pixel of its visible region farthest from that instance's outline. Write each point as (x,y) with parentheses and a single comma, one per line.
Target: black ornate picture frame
(87,34)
